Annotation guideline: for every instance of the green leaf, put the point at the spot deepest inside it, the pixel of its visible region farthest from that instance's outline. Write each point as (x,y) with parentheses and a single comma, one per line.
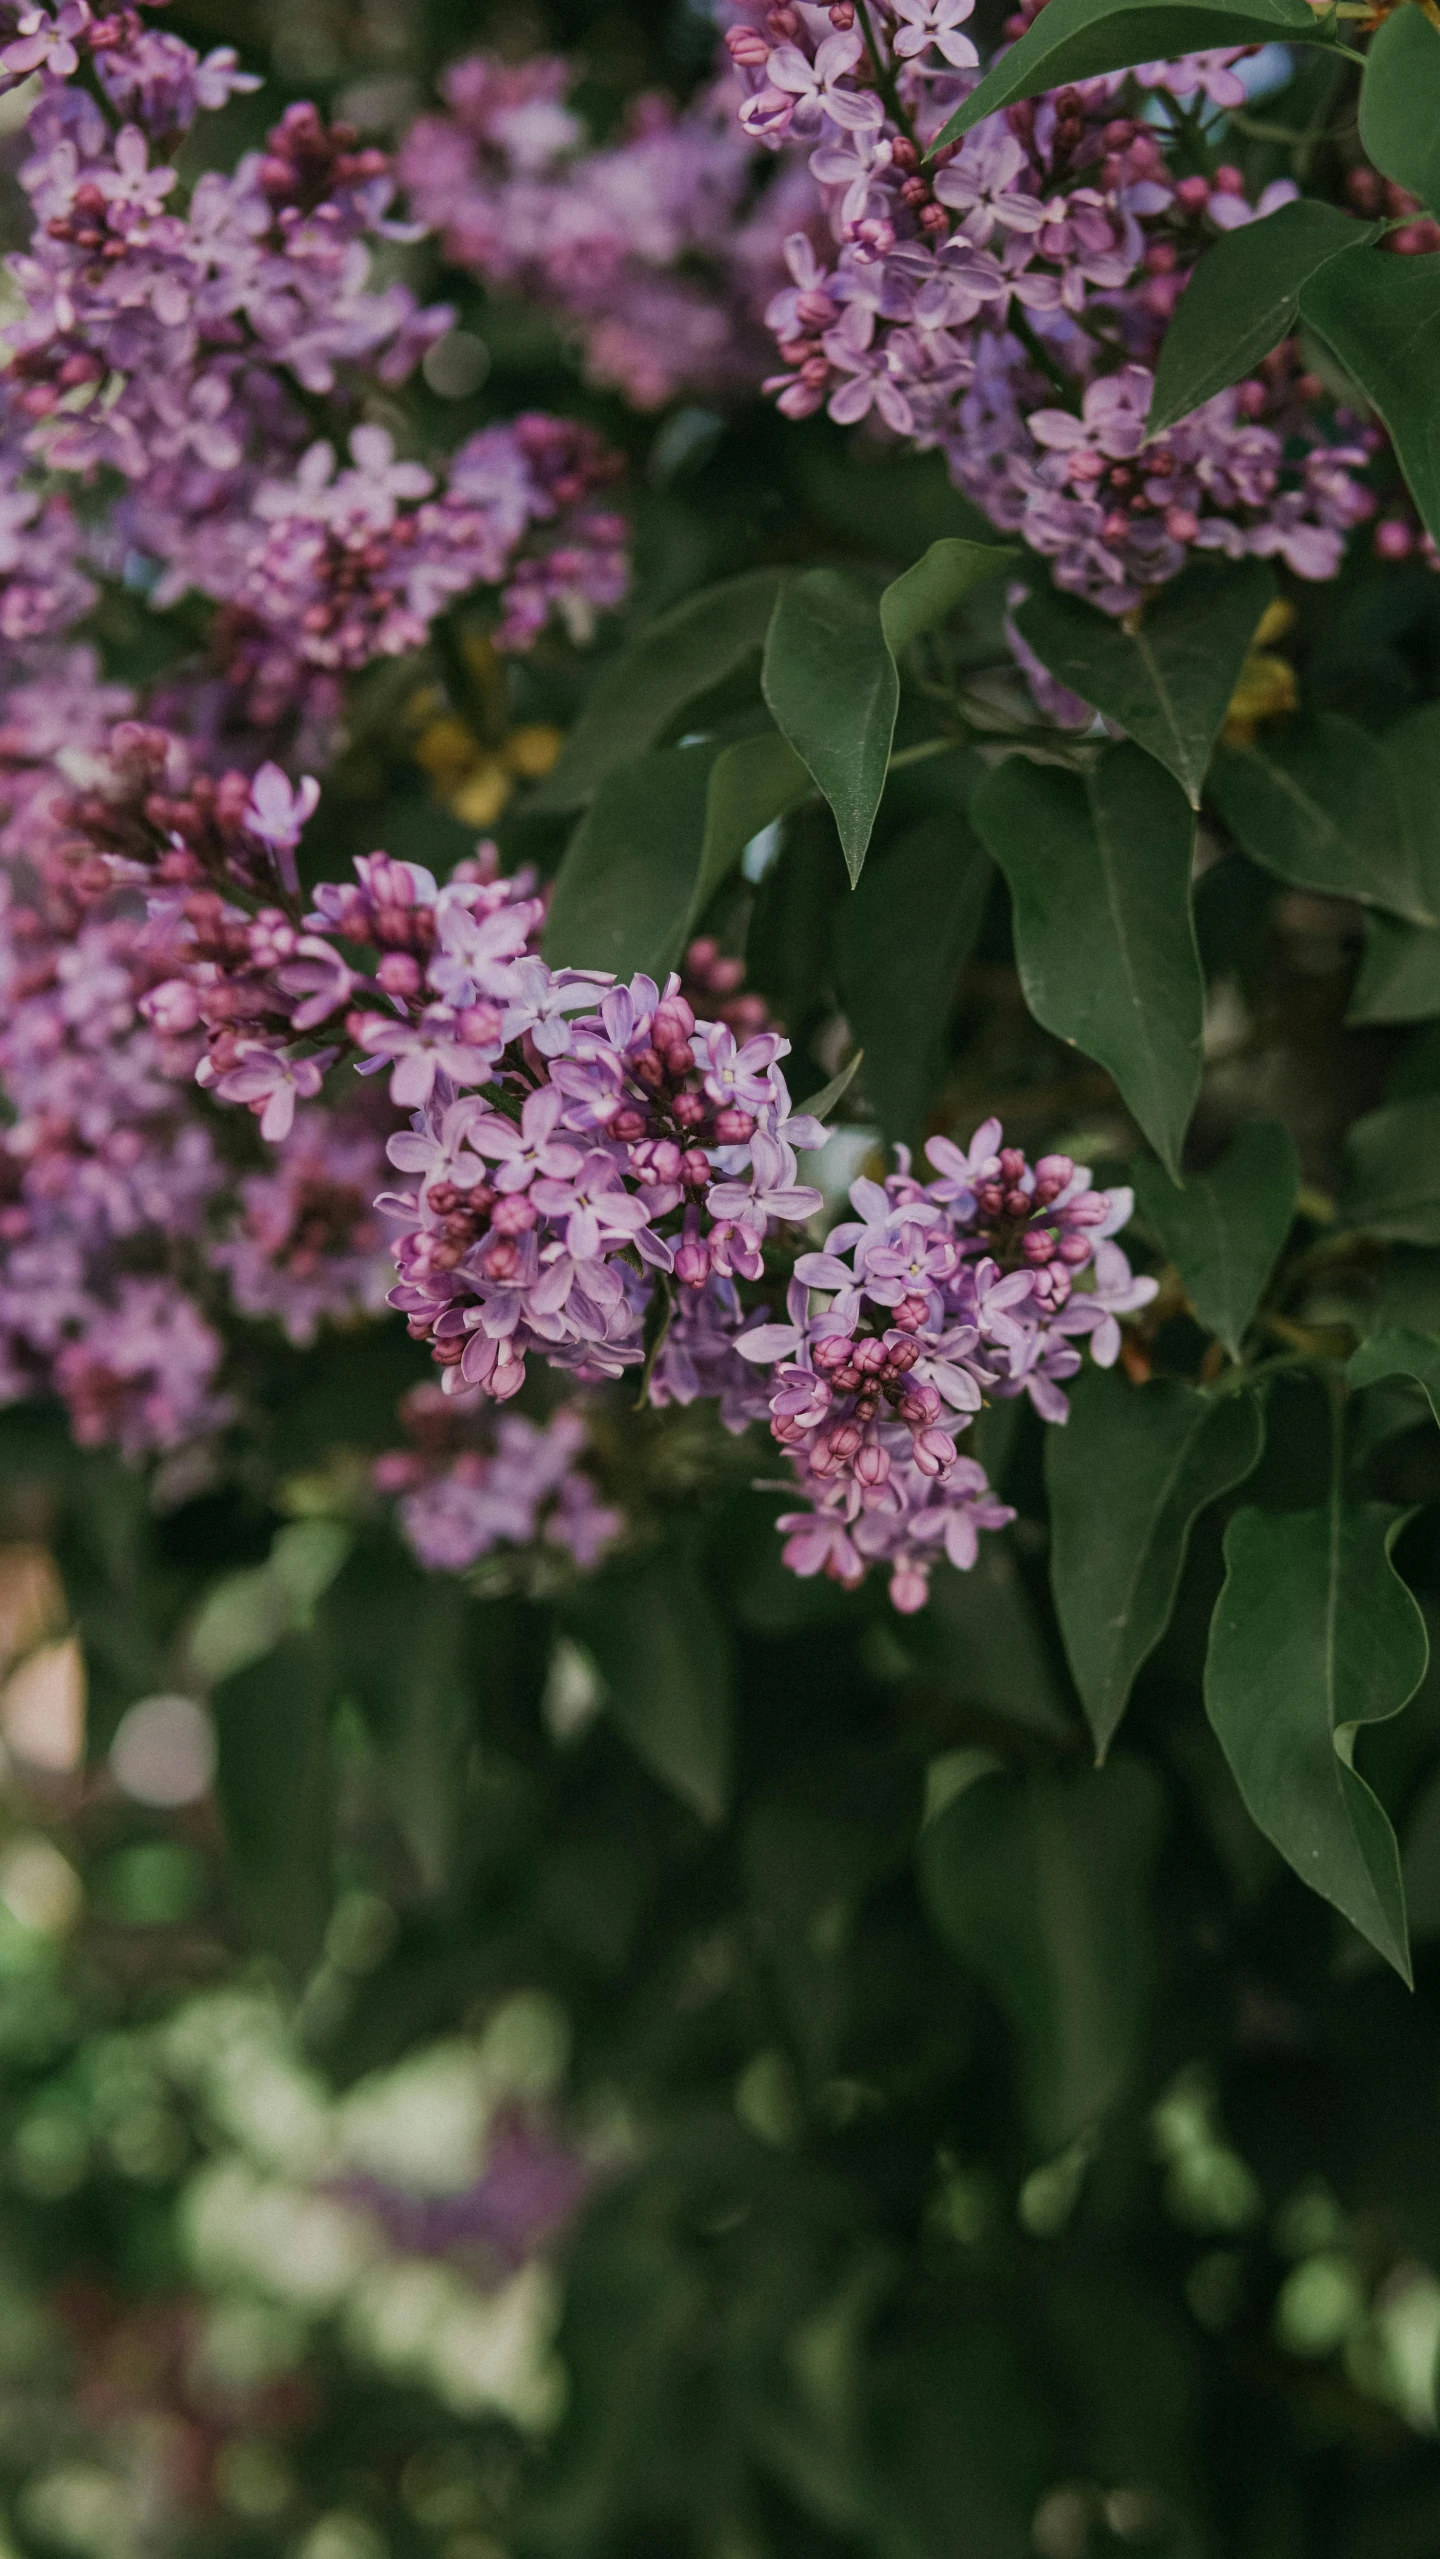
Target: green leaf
(1099,873)
(1399,974)
(1381,314)
(242,1617)
(273,1782)
(1392,1165)
(980,1640)
(821,1104)
(830,676)
(900,944)
(1316,804)
(659,838)
(1078,39)
(752,783)
(920,598)
(1242,299)
(1314,1635)
(1164,1452)
(1041,1886)
(628,878)
(685,653)
(1169,679)
(1399,1352)
(397,1641)
(1400,103)
(1224,1230)
(830,681)
(1411,749)
(661,1647)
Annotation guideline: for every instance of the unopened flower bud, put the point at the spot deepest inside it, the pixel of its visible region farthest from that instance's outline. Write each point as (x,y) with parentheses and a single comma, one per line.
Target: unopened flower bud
(514,1215)
(672,1025)
(872,1465)
(933,1452)
(732,1127)
(692,1262)
(400,974)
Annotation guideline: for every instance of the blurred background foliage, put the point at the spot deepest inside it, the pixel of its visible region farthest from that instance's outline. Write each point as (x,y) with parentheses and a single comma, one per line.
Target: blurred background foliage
(484,2070)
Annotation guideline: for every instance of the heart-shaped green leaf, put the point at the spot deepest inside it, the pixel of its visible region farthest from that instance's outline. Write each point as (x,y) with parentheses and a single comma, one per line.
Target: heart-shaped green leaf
(1224,1230)
(900,944)
(1041,1885)
(1165,1451)
(1381,314)
(1400,102)
(1392,1166)
(660,837)
(1168,673)
(1242,299)
(830,675)
(683,654)
(1315,1635)
(1399,1352)
(1079,39)
(1316,803)
(1099,871)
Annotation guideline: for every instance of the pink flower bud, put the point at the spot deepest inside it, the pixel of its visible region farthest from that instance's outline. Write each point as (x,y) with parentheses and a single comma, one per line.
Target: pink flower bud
(514,1215)
(692,1262)
(672,1025)
(400,974)
(934,1452)
(909,1589)
(171,1009)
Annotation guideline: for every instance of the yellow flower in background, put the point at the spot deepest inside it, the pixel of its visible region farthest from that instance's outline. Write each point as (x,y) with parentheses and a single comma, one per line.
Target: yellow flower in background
(474,768)
(1267,688)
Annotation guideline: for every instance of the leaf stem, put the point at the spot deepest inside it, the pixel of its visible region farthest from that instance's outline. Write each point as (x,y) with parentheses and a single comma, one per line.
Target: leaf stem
(885,80)
(1040,356)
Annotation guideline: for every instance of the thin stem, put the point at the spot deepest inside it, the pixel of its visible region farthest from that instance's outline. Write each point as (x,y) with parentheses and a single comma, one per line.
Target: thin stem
(665,1298)
(922,753)
(1040,356)
(885,79)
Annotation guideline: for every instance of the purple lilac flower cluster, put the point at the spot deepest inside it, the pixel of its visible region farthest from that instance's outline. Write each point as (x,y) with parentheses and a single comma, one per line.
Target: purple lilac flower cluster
(308,1247)
(1005,302)
(183,345)
(658,250)
(470,1483)
(107,1176)
(608,1179)
(116,1208)
(933,1297)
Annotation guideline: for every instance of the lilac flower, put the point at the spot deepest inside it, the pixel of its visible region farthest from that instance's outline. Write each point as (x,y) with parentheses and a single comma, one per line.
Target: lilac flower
(935,22)
(980,184)
(270,1082)
(817,87)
